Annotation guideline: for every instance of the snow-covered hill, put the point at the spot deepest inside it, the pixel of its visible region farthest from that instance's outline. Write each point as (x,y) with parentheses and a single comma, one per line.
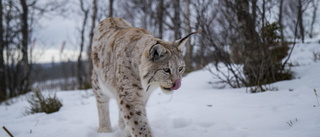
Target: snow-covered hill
(195,110)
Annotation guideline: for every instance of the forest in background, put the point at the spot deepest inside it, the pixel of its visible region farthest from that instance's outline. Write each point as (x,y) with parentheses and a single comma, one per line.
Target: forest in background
(249,37)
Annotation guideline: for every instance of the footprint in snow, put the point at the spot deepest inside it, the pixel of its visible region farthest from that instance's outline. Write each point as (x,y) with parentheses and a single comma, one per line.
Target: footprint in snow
(205,124)
(180,122)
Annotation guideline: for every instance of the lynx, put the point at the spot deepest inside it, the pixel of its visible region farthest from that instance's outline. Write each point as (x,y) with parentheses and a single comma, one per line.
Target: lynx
(128,64)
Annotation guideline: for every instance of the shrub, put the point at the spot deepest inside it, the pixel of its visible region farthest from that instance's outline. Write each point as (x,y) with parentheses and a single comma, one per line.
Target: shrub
(264,63)
(39,103)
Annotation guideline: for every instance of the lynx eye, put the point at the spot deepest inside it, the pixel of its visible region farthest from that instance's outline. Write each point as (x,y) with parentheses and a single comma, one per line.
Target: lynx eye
(167,70)
(180,69)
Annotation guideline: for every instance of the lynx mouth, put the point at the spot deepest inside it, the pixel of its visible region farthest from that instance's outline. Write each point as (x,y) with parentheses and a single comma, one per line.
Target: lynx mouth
(168,89)
(176,85)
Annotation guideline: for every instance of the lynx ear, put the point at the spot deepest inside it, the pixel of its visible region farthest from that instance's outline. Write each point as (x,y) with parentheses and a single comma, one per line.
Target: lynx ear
(181,42)
(157,52)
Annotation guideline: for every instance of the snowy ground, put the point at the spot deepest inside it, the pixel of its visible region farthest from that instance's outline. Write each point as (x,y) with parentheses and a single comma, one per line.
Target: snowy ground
(195,110)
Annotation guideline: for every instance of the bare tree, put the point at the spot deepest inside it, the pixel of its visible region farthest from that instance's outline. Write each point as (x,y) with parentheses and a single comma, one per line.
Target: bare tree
(24,85)
(315,4)
(160,18)
(203,48)
(110,8)
(80,70)
(295,12)
(189,47)
(300,20)
(103,9)
(250,40)
(280,17)
(93,24)
(176,19)
(3,88)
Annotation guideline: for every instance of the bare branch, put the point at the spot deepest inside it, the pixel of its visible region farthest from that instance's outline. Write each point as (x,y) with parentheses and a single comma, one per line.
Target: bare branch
(8,132)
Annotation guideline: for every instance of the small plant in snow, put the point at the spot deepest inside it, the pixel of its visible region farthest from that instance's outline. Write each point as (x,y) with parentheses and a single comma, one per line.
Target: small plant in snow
(39,103)
(316,56)
(265,87)
(291,122)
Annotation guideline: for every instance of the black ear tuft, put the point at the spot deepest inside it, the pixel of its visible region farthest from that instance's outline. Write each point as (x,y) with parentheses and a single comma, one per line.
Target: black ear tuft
(181,42)
(157,52)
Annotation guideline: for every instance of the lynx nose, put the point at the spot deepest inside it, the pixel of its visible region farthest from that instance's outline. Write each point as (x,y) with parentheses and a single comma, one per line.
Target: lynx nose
(176,84)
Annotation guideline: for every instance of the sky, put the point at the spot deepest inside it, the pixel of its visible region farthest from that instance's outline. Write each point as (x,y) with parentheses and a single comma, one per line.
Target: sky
(53,32)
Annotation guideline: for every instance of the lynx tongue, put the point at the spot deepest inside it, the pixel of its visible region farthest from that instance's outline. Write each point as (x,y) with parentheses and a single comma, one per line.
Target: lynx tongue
(177,84)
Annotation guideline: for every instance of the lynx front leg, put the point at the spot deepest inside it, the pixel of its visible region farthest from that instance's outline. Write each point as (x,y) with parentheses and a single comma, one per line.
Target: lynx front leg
(124,129)
(133,114)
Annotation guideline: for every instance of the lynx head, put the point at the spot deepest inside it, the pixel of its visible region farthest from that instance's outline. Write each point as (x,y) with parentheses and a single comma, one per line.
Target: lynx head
(163,64)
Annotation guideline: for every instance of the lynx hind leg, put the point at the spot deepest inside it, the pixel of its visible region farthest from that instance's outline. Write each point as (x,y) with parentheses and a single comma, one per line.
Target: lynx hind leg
(103,107)
(104,117)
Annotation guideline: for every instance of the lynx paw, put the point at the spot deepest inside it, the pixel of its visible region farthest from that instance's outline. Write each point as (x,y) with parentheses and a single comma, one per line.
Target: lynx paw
(104,130)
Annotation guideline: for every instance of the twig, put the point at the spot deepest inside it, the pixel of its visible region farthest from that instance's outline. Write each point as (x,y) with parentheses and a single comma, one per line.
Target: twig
(290,123)
(315,93)
(5,129)
(294,44)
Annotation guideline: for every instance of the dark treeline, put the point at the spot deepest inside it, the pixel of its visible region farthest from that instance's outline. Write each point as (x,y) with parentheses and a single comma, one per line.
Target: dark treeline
(248,37)
(55,76)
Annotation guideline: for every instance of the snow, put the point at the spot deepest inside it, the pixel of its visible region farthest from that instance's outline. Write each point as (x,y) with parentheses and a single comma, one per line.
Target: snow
(195,110)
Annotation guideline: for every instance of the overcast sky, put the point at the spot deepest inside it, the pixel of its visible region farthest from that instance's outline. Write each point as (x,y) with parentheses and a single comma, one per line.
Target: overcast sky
(53,32)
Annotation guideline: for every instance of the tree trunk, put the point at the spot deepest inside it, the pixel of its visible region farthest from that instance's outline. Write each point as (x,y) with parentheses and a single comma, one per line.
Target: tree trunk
(160,11)
(263,14)
(315,4)
(110,7)
(251,40)
(24,83)
(176,19)
(91,33)
(300,20)
(189,47)
(7,37)
(254,8)
(80,71)
(3,89)
(280,22)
